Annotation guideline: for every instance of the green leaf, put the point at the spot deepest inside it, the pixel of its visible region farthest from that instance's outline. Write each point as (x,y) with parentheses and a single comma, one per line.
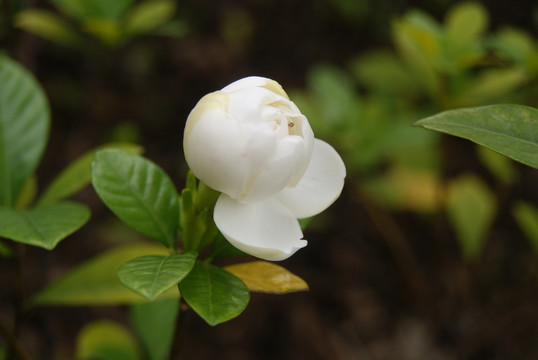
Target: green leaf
(49,26)
(78,175)
(106,340)
(148,15)
(155,323)
(213,293)
(152,275)
(527,217)
(24,128)
(511,130)
(95,282)
(471,208)
(138,192)
(43,226)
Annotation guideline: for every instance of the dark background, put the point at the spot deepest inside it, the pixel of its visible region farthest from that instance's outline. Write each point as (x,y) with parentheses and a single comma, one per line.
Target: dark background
(365,301)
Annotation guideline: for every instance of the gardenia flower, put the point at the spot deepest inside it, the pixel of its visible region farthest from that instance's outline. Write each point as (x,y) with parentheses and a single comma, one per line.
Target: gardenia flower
(252,144)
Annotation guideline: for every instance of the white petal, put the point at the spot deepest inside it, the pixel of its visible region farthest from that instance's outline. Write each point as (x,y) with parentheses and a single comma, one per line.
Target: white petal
(214,146)
(266,229)
(255,81)
(247,104)
(288,159)
(320,185)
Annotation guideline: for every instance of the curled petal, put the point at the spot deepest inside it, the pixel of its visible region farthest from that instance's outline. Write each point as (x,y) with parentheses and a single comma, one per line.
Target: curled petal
(255,81)
(266,229)
(214,147)
(287,161)
(320,185)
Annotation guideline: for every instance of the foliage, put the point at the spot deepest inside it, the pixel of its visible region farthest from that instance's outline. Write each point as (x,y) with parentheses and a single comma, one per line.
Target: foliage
(24,124)
(435,68)
(113,23)
(143,196)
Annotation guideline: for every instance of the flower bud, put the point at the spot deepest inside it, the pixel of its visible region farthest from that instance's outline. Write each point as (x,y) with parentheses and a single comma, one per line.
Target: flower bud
(252,144)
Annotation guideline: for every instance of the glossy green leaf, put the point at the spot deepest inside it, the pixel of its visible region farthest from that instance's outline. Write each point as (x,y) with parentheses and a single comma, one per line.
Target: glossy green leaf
(49,26)
(213,293)
(527,217)
(138,192)
(152,275)
(106,340)
(511,130)
(471,208)
(77,175)
(148,15)
(24,128)
(43,226)
(95,282)
(155,323)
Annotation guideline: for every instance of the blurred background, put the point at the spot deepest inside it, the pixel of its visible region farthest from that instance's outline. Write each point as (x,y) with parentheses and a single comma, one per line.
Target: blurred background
(430,252)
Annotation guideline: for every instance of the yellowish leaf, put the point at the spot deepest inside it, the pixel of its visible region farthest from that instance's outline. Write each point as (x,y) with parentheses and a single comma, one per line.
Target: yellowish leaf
(263,276)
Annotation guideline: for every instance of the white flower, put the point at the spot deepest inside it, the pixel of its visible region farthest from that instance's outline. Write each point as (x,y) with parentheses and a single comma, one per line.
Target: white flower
(252,144)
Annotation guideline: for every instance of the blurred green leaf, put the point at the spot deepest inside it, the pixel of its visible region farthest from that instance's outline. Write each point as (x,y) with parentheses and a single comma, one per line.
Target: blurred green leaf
(471,208)
(84,9)
(24,128)
(95,281)
(155,323)
(138,192)
(106,30)
(384,72)
(514,44)
(527,217)
(106,340)
(493,83)
(499,165)
(213,293)
(466,22)
(5,250)
(49,26)
(152,275)
(43,226)
(27,194)
(403,188)
(416,37)
(78,175)
(148,15)
(511,130)
(335,94)
(172,28)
